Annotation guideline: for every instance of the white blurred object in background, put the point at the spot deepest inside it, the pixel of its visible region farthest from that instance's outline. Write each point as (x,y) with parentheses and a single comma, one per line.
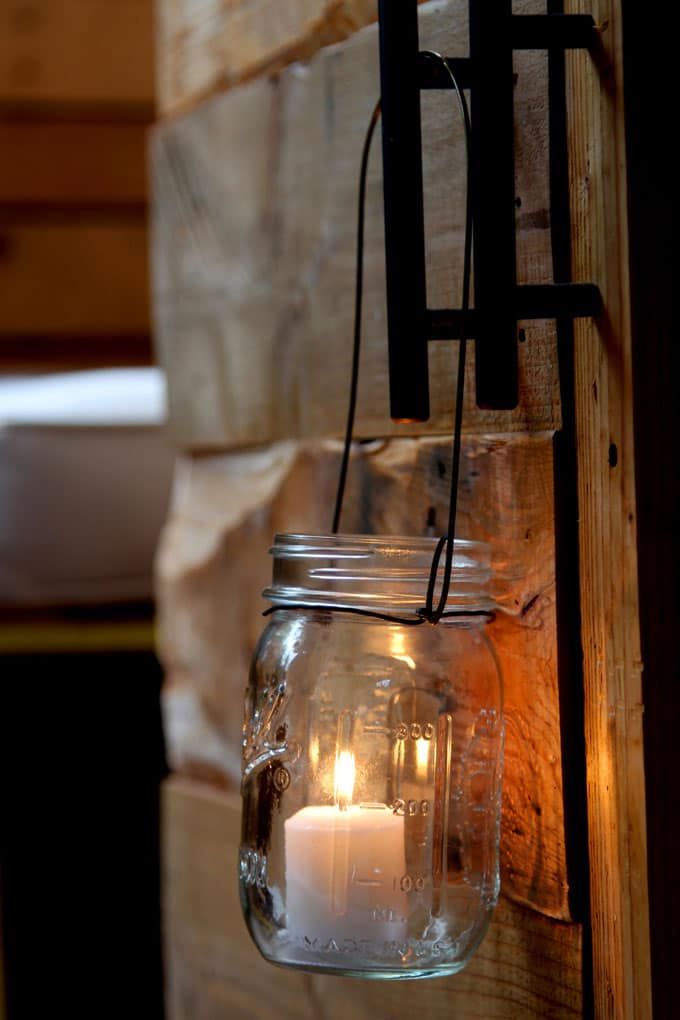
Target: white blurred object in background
(85,476)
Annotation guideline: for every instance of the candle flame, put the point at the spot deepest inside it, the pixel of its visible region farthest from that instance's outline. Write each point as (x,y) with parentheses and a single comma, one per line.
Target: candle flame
(345,771)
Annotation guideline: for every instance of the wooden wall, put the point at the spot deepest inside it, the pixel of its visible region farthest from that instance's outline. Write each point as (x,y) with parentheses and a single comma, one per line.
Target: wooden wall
(76,97)
(254,171)
(252,239)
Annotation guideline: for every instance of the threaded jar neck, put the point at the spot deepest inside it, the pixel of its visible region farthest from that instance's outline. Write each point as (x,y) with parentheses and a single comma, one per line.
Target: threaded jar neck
(375,572)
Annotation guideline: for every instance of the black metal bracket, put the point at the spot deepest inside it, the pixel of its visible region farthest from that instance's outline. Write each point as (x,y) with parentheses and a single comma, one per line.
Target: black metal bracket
(499,302)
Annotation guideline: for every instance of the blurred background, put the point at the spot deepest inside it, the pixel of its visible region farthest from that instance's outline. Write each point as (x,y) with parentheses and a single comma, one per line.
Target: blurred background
(84,482)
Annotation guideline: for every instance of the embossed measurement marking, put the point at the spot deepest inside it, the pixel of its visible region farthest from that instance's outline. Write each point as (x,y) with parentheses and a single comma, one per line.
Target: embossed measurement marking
(414,731)
(386,914)
(411,808)
(253,867)
(281,778)
(409,882)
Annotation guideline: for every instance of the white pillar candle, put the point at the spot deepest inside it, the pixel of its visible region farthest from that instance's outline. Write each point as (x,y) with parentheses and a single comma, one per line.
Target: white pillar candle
(344,873)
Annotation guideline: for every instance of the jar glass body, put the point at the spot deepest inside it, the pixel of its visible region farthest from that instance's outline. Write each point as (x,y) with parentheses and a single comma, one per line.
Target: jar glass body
(372,762)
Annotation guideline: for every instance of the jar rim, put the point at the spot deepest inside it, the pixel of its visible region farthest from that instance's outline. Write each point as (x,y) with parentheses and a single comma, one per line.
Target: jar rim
(380,572)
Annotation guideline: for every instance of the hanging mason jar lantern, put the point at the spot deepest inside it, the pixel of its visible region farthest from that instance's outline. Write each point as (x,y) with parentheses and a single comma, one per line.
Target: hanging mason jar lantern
(373,737)
(372,758)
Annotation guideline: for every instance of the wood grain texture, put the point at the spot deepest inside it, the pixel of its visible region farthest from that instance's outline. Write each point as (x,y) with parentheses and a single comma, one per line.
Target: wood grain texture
(213,564)
(253,238)
(73,277)
(76,51)
(527,968)
(64,163)
(206,45)
(609,587)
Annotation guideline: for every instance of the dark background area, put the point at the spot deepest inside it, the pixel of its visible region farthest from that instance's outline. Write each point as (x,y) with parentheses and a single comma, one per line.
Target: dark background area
(650,93)
(81,760)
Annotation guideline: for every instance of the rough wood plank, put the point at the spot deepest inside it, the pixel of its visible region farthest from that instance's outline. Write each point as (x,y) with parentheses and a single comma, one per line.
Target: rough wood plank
(77,277)
(76,51)
(207,45)
(253,250)
(527,967)
(609,587)
(56,163)
(213,564)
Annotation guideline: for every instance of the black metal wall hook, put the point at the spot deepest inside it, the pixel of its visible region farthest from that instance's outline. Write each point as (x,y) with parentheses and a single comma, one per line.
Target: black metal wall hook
(498,301)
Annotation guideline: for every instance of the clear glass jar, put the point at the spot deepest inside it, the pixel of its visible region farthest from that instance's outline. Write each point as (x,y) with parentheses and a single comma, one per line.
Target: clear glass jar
(372,762)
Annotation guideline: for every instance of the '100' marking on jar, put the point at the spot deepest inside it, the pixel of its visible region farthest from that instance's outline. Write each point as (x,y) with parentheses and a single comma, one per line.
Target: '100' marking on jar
(409,882)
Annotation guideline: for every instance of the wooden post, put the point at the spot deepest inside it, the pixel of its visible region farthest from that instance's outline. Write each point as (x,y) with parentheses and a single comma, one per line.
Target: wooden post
(608,558)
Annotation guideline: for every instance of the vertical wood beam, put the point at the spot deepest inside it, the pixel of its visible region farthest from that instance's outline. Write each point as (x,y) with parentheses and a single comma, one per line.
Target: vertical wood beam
(608,561)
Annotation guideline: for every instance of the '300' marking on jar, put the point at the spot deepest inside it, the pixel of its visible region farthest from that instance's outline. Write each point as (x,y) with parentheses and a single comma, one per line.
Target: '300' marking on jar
(414,731)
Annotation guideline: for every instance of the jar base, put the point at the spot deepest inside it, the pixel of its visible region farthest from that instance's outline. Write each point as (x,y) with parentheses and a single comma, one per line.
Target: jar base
(384,974)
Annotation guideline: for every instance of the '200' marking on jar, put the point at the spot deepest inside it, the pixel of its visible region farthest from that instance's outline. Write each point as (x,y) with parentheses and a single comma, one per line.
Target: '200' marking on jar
(410,807)
(414,731)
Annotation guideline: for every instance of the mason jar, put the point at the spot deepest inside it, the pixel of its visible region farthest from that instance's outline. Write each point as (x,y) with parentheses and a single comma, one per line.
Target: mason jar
(372,761)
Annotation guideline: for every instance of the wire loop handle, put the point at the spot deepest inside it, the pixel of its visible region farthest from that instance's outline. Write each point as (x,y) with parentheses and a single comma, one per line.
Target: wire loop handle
(429,613)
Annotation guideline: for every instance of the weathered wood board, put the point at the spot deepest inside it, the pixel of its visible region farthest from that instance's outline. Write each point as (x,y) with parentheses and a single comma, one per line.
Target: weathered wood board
(75,52)
(72,163)
(73,277)
(527,968)
(213,564)
(207,45)
(253,250)
(609,580)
